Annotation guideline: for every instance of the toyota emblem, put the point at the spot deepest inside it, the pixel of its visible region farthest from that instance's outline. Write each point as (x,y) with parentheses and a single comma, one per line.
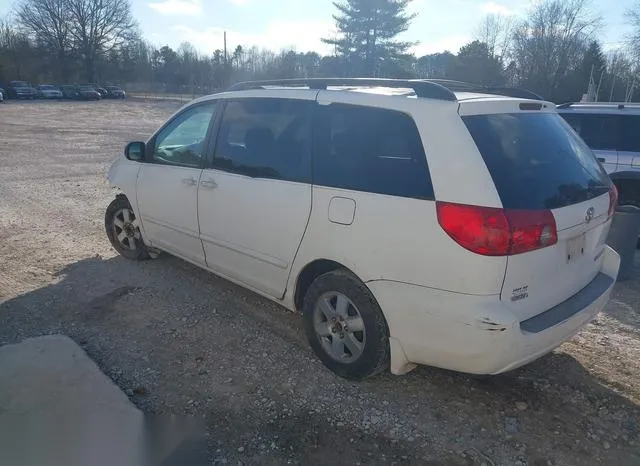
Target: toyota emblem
(589,215)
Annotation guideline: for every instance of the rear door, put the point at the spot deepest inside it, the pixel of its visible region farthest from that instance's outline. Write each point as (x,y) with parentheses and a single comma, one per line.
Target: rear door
(538,163)
(254,204)
(601,132)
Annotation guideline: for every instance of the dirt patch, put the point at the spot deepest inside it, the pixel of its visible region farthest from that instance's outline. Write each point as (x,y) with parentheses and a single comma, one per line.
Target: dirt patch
(179,340)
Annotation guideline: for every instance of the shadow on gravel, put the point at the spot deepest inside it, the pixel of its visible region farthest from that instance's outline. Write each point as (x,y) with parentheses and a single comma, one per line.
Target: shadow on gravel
(174,338)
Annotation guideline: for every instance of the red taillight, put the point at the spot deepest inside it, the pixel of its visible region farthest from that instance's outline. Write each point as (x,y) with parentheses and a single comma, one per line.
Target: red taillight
(497,232)
(613,199)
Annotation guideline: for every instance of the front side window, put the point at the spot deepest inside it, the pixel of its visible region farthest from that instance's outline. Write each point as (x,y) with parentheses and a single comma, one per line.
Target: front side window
(371,150)
(266,138)
(182,142)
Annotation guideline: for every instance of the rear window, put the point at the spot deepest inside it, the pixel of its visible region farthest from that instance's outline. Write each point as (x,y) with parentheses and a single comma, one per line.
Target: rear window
(536,160)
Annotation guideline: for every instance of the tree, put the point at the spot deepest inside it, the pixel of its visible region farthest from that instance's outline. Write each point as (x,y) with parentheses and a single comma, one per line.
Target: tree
(48,23)
(97,27)
(496,31)
(549,43)
(632,16)
(476,64)
(367,34)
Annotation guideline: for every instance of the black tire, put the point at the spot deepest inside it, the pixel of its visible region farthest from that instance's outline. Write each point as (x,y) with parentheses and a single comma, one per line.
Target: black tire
(137,249)
(374,357)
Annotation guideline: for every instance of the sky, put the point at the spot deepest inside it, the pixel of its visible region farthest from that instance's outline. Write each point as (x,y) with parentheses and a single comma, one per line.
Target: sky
(276,24)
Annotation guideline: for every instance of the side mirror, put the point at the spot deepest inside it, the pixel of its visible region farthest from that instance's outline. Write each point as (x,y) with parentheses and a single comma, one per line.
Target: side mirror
(135,151)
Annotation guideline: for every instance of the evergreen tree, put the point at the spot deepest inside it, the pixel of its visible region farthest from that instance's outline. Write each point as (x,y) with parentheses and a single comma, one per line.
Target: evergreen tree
(367,34)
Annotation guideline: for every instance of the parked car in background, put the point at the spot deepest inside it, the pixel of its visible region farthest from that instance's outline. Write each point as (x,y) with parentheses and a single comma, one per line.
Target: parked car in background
(86,92)
(21,90)
(612,131)
(69,91)
(115,92)
(394,255)
(102,91)
(47,91)
(1,95)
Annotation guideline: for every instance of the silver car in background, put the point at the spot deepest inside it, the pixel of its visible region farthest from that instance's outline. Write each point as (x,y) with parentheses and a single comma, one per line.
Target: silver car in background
(612,130)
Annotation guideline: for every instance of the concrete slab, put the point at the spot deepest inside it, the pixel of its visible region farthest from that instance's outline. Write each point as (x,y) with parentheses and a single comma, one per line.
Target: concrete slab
(58,409)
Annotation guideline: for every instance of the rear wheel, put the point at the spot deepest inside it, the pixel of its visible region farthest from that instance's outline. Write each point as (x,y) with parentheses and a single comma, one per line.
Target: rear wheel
(345,326)
(123,230)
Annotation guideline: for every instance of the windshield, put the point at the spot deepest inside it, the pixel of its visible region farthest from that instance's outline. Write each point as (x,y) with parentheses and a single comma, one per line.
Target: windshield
(19,84)
(536,160)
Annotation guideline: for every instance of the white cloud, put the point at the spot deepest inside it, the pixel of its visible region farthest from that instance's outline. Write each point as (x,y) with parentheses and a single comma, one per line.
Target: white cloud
(177,7)
(240,2)
(451,44)
(303,36)
(494,8)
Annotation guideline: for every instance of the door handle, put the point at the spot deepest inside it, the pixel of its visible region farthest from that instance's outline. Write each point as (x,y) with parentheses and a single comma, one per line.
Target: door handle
(601,159)
(189,181)
(208,184)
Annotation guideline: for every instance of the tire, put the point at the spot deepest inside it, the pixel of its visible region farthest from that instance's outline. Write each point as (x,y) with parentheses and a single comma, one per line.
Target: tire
(370,346)
(122,231)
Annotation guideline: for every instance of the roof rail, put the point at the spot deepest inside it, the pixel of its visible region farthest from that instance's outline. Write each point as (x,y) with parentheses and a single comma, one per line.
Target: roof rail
(422,88)
(565,105)
(461,86)
(441,89)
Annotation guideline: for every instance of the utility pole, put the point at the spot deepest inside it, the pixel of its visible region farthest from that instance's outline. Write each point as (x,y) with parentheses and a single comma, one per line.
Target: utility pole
(225,47)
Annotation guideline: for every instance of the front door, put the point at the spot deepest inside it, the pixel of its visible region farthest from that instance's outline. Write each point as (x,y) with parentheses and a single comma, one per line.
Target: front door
(255,203)
(167,185)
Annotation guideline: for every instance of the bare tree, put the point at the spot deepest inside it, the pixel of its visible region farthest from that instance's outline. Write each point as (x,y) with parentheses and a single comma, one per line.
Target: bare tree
(48,23)
(497,32)
(632,16)
(551,40)
(98,27)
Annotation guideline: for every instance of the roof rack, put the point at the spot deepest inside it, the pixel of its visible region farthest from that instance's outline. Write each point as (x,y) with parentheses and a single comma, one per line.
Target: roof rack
(619,105)
(422,88)
(441,89)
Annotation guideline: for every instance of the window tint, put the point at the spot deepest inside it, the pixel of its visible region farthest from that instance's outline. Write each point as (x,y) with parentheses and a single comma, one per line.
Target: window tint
(630,140)
(182,142)
(600,132)
(535,160)
(266,138)
(372,150)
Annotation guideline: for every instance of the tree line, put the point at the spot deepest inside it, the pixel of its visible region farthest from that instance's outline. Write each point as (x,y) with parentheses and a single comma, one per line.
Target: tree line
(553,50)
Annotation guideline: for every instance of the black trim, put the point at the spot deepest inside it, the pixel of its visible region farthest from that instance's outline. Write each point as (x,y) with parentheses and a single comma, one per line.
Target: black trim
(572,306)
(625,175)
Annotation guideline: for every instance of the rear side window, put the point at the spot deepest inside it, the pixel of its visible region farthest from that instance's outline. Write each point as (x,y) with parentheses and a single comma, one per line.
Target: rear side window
(536,161)
(600,132)
(266,138)
(372,150)
(630,140)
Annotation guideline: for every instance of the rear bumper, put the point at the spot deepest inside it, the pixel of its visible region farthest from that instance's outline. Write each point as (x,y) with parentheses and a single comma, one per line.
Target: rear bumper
(478,334)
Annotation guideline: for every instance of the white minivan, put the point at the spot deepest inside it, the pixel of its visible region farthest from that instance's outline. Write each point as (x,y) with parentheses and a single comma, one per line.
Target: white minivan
(408,221)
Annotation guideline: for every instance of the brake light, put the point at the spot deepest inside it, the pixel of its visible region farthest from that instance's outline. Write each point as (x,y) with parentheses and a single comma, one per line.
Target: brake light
(613,199)
(491,231)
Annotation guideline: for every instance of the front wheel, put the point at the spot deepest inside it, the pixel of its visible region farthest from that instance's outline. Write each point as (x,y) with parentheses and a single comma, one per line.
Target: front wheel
(345,326)
(123,230)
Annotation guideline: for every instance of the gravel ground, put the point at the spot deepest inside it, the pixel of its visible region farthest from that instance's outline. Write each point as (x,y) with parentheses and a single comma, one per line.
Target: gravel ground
(181,341)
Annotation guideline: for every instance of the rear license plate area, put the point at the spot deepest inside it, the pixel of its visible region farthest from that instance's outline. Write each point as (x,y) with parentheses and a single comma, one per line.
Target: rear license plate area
(575,248)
